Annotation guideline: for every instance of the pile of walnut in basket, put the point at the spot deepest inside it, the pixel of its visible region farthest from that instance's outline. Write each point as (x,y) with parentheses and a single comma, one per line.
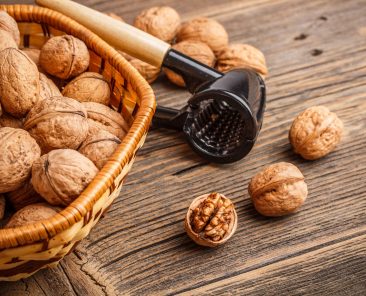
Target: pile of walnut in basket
(53,141)
(200,38)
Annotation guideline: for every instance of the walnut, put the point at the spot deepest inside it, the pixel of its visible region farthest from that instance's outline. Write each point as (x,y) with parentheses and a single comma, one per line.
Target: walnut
(18,151)
(19,83)
(315,132)
(57,122)
(2,206)
(278,190)
(6,40)
(48,88)
(99,146)
(162,22)
(64,56)
(211,220)
(7,120)
(149,72)
(24,196)
(106,118)
(241,56)
(205,30)
(7,23)
(88,87)
(33,54)
(61,175)
(194,49)
(30,214)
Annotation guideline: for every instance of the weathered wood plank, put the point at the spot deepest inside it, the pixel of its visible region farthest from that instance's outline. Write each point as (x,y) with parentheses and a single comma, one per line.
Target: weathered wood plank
(316,53)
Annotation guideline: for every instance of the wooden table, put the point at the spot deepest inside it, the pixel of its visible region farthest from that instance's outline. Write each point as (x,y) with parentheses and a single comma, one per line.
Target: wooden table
(316,53)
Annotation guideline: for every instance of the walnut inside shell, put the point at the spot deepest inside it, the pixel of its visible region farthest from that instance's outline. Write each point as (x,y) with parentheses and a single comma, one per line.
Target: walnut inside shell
(7,120)
(241,56)
(194,49)
(88,87)
(6,40)
(18,151)
(99,146)
(278,190)
(24,196)
(211,220)
(315,132)
(48,88)
(149,72)
(61,175)
(64,56)
(57,122)
(7,23)
(205,30)
(162,22)
(30,214)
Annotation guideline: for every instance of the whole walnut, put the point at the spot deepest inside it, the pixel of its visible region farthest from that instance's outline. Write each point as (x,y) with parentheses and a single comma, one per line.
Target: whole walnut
(48,88)
(61,176)
(7,120)
(241,56)
(88,87)
(99,146)
(103,117)
(162,22)
(64,56)
(7,23)
(315,132)
(30,214)
(33,54)
(196,50)
(278,190)
(19,83)
(6,40)
(211,220)
(24,196)
(205,30)
(18,151)
(58,122)
(149,72)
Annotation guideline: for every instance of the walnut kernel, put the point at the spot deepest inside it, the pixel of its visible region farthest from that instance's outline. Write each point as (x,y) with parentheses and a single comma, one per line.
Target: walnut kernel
(162,22)
(61,175)
(278,190)
(315,132)
(211,220)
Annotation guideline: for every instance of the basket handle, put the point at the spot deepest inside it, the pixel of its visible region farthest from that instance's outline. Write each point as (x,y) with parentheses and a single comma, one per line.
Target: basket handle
(120,35)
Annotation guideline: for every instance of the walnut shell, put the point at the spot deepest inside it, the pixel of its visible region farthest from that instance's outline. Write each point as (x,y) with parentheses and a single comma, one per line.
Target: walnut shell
(58,122)
(6,40)
(2,206)
(241,56)
(278,190)
(19,83)
(62,175)
(48,88)
(7,23)
(205,30)
(149,72)
(106,118)
(162,22)
(315,132)
(196,50)
(24,196)
(88,87)
(30,214)
(64,56)
(99,147)
(211,220)
(7,120)
(18,151)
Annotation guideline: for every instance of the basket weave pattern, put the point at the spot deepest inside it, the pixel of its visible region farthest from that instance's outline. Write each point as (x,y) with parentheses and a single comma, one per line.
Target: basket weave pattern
(26,249)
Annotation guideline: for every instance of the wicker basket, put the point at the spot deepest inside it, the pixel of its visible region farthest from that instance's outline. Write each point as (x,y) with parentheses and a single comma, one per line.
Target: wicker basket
(25,250)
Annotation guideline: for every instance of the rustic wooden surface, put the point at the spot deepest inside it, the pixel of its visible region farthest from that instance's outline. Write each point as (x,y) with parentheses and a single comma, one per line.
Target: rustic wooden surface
(316,53)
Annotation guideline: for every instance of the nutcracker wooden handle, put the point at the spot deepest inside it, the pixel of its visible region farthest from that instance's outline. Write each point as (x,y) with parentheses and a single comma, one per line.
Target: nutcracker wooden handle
(120,35)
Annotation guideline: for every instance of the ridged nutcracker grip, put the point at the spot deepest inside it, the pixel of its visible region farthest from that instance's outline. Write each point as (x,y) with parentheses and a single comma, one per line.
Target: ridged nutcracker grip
(118,34)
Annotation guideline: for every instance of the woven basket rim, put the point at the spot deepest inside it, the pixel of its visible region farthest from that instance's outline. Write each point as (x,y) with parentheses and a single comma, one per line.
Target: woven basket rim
(75,212)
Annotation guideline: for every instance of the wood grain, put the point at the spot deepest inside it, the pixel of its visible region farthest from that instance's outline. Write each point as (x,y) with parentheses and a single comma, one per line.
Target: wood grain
(316,53)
